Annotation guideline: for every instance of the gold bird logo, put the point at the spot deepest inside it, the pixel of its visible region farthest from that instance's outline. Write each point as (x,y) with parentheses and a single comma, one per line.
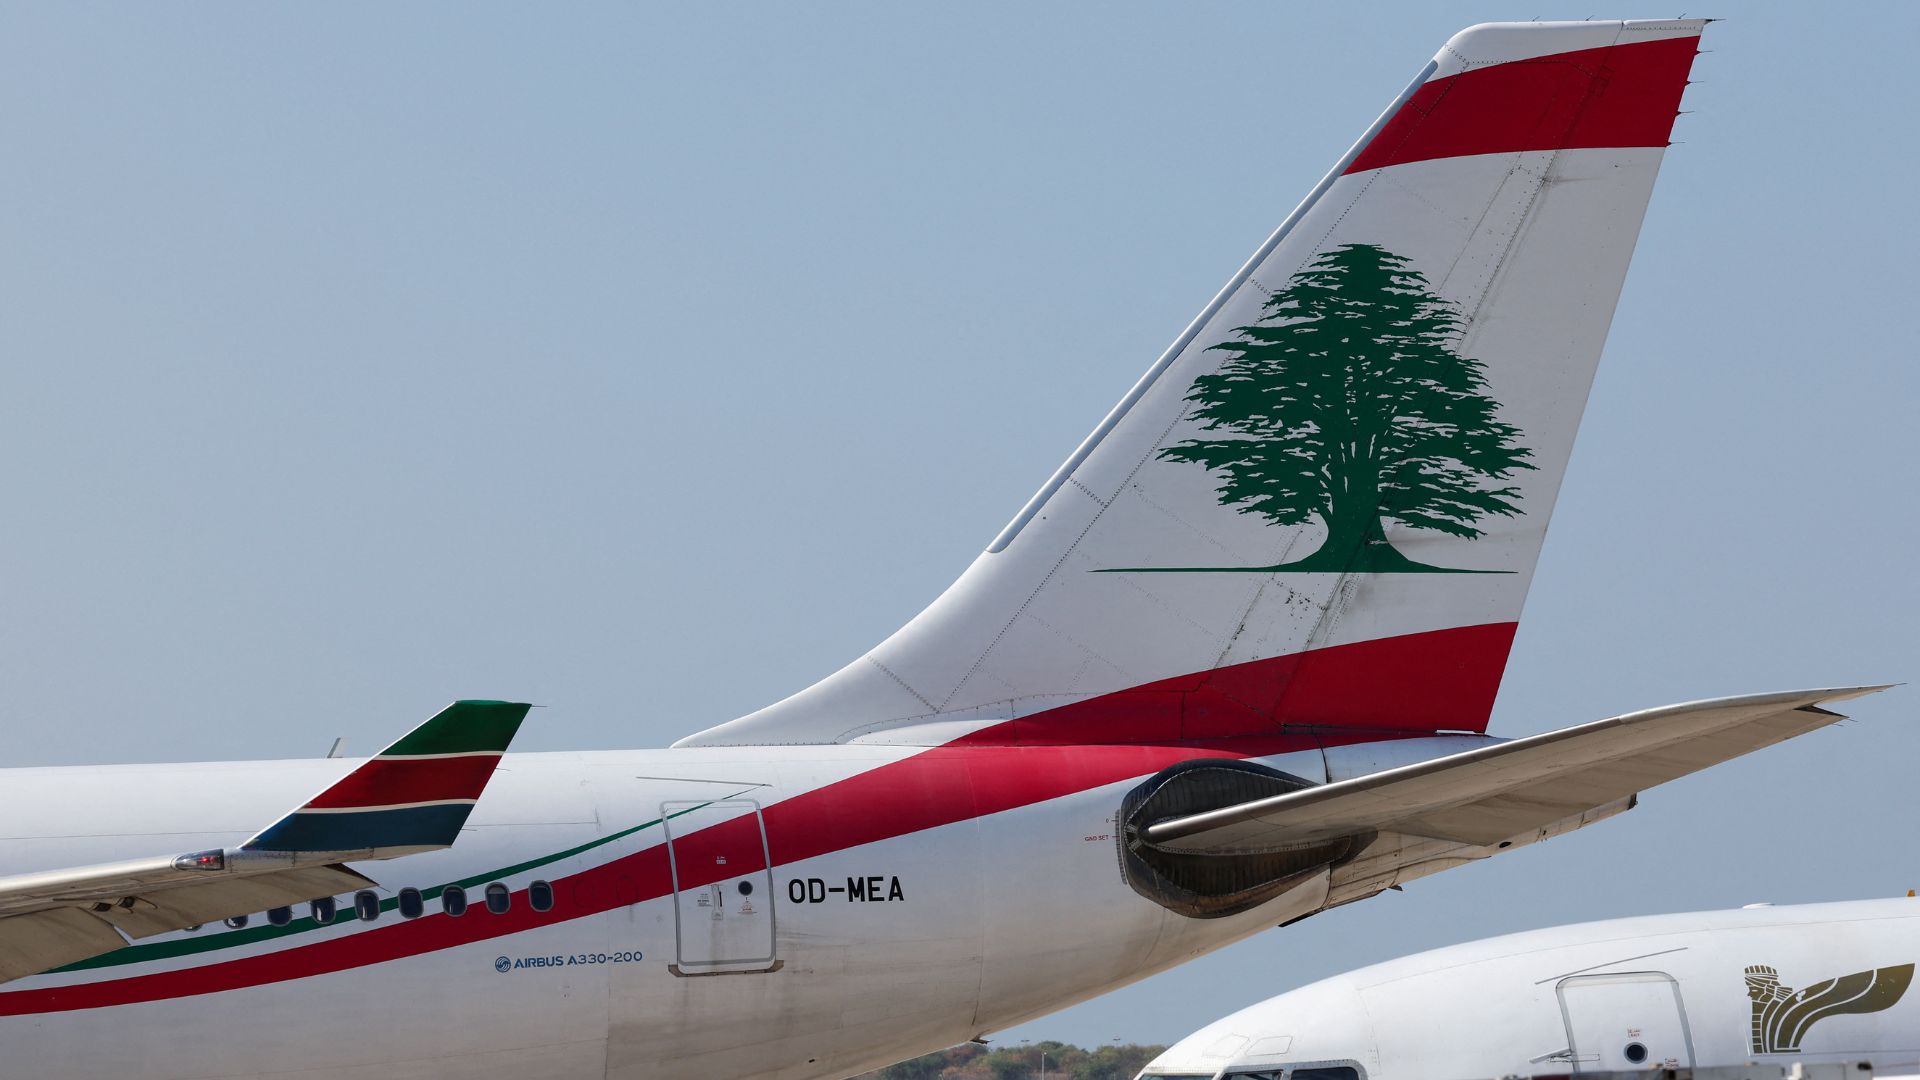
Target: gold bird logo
(1783,1015)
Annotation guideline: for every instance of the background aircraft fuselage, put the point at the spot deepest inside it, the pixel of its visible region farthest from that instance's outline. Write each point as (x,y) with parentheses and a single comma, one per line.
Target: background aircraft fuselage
(917,899)
(1773,985)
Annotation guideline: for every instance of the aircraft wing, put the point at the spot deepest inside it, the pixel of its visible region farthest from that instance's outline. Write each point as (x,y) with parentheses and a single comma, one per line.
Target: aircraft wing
(1501,792)
(413,796)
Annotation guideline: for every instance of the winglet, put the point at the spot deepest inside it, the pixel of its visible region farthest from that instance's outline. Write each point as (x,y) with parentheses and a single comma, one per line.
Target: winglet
(413,796)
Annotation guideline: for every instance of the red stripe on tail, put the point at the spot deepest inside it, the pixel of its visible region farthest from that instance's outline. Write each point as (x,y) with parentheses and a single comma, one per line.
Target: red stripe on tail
(392,781)
(1441,680)
(1621,95)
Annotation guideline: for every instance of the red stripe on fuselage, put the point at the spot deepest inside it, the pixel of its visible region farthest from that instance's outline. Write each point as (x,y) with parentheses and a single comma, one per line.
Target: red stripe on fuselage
(1621,95)
(933,788)
(988,772)
(399,780)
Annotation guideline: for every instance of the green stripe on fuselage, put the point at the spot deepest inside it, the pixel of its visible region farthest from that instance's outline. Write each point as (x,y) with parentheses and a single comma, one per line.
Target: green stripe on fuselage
(188,946)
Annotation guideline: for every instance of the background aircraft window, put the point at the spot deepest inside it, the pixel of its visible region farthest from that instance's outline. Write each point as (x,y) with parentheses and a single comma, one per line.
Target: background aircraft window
(236,922)
(366,904)
(322,910)
(1327,1072)
(411,906)
(540,895)
(453,900)
(499,899)
(280,916)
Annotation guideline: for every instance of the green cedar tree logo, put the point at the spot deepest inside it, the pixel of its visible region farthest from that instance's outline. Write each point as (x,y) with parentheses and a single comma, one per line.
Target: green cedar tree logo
(1347,402)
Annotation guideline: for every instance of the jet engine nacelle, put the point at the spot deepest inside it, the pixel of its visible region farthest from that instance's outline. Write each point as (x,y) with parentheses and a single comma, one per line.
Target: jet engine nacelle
(1219,883)
(1216,884)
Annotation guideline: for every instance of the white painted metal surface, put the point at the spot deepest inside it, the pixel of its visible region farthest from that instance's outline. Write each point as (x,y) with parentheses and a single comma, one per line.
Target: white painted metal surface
(1624,1020)
(726,925)
(1670,990)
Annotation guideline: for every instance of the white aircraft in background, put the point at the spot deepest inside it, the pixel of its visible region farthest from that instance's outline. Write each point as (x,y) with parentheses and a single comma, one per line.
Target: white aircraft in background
(1231,666)
(1812,984)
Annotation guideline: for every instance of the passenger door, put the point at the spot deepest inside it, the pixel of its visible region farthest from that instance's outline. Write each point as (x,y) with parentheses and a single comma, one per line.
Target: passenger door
(1633,1020)
(722,887)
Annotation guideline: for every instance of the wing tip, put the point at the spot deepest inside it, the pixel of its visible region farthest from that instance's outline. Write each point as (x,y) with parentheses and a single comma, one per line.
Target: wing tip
(1785,699)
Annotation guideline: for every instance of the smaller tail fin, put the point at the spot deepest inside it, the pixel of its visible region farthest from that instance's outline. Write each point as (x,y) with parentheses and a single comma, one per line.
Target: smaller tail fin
(413,796)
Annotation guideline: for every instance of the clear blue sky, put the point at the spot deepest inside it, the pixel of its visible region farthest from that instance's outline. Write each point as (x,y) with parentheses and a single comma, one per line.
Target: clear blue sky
(649,362)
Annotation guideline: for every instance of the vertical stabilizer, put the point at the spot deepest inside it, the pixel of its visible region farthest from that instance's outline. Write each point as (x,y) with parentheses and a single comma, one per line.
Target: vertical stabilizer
(413,796)
(1323,505)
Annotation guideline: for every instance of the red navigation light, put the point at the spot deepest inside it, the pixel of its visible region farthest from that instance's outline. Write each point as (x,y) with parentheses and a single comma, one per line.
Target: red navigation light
(202,860)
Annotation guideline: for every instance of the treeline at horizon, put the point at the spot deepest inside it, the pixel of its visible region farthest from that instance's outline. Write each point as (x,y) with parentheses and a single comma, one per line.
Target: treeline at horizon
(972,1061)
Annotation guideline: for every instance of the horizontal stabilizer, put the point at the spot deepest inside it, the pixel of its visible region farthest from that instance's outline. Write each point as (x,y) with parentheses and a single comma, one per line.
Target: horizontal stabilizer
(1494,793)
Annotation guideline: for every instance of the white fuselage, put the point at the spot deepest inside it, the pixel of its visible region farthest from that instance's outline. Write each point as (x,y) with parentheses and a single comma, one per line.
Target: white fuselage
(916,898)
(1669,990)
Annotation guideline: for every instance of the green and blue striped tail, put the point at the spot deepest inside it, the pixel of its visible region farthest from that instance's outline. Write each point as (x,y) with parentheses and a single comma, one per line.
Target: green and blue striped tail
(413,796)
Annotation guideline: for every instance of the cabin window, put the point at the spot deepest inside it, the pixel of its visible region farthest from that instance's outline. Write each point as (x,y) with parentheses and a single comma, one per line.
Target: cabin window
(236,922)
(540,895)
(366,904)
(453,900)
(322,910)
(280,916)
(499,898)
(411,906)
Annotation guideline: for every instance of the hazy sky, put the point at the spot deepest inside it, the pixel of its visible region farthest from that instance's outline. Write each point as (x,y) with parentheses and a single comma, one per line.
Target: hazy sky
(650,362)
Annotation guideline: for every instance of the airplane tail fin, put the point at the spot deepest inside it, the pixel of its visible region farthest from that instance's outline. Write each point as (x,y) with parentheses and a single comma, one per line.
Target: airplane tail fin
(1323,505)
(413,796)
